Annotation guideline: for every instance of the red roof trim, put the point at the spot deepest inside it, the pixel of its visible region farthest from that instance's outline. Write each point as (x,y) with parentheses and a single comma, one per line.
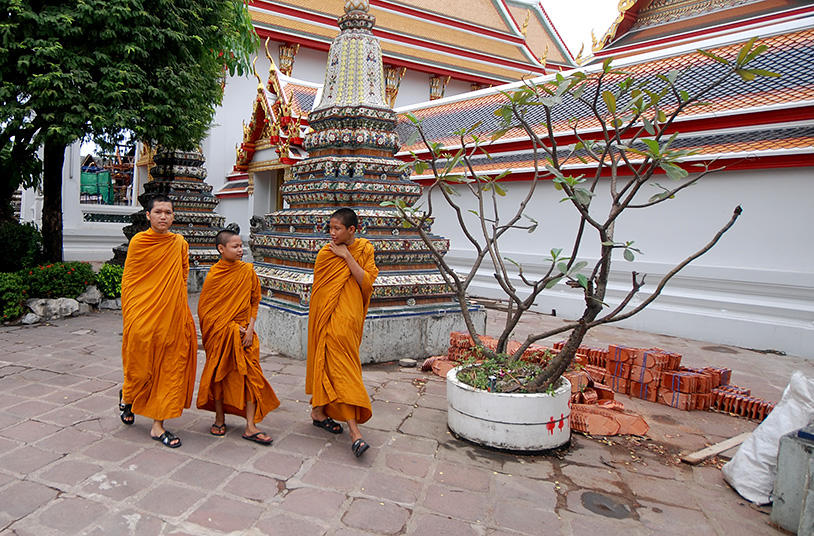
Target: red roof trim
(731,164)
(687,126)
(228,195)
(386,34)
(704,32)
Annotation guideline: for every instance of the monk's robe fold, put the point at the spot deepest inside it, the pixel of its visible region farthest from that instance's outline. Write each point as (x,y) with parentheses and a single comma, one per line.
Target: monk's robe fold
(229,299)
(159,344)
(336,319)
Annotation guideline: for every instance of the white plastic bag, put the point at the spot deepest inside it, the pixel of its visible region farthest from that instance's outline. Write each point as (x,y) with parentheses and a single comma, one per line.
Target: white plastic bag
(752,471)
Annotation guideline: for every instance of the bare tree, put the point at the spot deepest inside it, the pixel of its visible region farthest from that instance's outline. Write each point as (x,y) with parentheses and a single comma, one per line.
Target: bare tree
(633,145)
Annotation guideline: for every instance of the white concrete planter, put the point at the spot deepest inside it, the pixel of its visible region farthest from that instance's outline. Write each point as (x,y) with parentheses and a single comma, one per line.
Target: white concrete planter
(524,421)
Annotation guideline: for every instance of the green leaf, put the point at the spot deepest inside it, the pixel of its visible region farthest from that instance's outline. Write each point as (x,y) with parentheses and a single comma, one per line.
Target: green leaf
(628,255)
(496,135)
(562,267)
(715,57)
(610,101)
(553,282)
(674,171)
(763,72)
(578,266)
(745,50)
(648,126)
(499,190)
(745,74)
(653,145)
(413,119)
(583,281)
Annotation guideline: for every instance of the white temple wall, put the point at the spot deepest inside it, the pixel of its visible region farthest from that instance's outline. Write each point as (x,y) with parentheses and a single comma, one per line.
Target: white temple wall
(755,289)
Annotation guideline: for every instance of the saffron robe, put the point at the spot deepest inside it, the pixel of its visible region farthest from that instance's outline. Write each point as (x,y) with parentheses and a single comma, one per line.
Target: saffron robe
(229,300)
(336,319)
(159,343)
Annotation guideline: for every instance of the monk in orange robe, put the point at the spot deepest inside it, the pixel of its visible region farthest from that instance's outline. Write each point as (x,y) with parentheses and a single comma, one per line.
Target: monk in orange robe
(232,380)
(343,283)
(159,343)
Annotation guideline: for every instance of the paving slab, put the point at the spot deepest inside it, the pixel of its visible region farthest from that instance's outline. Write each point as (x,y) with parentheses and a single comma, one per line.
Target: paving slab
(69,466)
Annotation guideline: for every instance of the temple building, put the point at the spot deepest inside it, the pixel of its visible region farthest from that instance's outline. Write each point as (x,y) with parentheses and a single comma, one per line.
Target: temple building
(755,288)
(448,62)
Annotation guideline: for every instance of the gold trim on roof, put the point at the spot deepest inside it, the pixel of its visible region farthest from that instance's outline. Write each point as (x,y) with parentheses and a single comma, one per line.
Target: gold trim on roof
(610,35)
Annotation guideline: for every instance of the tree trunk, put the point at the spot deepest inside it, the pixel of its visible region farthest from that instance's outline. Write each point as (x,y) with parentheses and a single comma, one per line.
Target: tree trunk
(7,213)
(52,162)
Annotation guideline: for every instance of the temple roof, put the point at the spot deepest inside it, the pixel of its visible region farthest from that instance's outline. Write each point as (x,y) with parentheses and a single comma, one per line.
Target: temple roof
(763,118)
(478,40)
(655,24)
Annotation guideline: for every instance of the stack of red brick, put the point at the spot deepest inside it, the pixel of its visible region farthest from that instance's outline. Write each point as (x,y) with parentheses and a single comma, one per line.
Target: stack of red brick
(656,375)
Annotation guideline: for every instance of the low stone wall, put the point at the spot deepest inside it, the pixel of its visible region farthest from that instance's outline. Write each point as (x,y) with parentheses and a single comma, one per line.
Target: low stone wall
(45,309)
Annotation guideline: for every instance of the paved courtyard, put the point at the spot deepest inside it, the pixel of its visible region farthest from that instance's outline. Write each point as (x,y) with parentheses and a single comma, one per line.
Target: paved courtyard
(68,465)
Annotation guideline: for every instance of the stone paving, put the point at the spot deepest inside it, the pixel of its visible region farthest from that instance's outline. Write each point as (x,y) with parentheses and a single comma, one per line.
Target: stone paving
(68,465)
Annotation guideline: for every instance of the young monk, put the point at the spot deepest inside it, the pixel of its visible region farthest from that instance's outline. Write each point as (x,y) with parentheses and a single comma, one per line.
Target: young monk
(232,380)
(159,344)
(343,283)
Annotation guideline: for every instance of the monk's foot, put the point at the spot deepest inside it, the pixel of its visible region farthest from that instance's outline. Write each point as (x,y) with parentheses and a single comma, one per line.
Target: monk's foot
(218,429)
(359,447)
(328,424)
(258,437)
(168,439)
(126,411)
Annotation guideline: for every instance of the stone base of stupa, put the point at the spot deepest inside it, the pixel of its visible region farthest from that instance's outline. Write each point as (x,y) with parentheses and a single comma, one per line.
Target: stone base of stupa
(391,333)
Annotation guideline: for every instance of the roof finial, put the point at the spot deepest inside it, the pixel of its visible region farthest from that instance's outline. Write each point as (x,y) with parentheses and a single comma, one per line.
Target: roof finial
(356,5)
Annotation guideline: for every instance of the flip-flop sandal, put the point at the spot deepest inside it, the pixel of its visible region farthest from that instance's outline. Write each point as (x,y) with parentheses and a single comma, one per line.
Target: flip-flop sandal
(359,447)
(218,429)
(126,411)
(328,424)
(167,439)
(257,439)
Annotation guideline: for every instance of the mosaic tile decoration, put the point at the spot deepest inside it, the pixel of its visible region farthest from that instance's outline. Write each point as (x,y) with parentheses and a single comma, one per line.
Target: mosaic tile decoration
(350,163)
(180,176)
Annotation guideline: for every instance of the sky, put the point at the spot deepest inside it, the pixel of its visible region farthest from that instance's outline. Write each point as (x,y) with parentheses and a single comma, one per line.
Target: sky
(574,20)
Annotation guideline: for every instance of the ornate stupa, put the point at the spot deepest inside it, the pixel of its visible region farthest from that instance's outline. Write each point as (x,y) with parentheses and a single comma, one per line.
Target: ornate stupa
(180,176)
(350,163)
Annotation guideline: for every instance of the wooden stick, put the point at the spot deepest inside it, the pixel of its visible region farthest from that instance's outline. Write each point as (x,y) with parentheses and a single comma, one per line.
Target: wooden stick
(717,448)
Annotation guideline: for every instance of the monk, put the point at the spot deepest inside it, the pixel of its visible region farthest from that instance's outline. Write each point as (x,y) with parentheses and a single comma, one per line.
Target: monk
(159,343)
(343,283)
(232,380)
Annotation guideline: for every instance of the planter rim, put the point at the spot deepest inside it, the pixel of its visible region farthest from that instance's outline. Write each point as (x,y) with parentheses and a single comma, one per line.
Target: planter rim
(452,376)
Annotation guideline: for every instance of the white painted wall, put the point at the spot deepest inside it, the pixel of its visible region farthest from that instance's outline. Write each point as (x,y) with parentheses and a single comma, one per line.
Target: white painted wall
(754,289)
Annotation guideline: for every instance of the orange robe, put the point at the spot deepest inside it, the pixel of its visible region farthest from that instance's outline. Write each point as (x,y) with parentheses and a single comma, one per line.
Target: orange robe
(229,299)
(336,318)
(159,343)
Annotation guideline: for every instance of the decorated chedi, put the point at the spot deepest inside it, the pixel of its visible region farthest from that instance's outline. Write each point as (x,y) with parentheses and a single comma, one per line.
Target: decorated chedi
(350,163)
(181,175)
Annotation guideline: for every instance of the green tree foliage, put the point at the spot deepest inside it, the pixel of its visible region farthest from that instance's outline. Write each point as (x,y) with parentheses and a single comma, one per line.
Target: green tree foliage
(101,68)
(22,245)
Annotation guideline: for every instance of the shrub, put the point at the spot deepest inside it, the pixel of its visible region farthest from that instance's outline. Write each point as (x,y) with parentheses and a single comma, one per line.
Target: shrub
(12,296)
(58,280)
(109,280)
(22,244)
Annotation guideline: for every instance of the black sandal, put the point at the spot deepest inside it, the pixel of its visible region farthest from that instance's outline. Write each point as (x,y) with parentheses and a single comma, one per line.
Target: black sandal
(167,439)
(126,411)
(328,424)
(359,447)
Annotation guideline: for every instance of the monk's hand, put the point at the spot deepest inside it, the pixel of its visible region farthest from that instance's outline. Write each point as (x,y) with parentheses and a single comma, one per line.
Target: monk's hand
(248,336)
(340,250)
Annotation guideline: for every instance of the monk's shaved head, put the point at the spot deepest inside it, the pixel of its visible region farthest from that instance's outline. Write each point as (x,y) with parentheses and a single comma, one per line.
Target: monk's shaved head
(346,217)
(159,198)
(223,237)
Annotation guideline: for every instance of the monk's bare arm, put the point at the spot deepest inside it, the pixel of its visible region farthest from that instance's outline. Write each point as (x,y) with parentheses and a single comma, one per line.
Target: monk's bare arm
(341,250)
(248,334)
